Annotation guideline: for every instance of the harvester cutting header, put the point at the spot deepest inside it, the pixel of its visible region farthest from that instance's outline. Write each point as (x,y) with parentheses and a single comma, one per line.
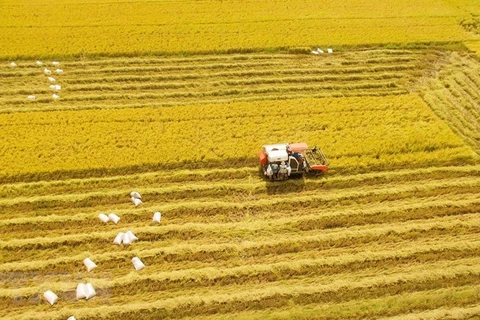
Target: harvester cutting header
(280,161)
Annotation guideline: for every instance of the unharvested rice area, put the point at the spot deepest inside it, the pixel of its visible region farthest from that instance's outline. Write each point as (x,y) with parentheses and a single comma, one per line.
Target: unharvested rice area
(357,133)
(39,28)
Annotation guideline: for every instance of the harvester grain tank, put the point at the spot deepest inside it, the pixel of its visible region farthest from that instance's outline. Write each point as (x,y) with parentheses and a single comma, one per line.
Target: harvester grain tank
(283,160)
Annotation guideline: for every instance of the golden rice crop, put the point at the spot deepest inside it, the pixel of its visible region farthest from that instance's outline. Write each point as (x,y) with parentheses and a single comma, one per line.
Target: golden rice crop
(474,46)
(391,231)
(80,27)
(354,132)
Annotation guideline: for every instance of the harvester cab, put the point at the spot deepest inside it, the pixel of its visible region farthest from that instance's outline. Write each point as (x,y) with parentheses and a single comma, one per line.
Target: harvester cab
(281,161)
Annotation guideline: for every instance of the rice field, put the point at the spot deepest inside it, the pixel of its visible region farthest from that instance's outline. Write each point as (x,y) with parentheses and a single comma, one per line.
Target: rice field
(391,231)
(79,27)
(176,101)
(157,113)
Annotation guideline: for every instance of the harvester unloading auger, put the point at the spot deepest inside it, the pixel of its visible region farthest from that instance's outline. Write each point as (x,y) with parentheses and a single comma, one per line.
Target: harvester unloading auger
(280,161)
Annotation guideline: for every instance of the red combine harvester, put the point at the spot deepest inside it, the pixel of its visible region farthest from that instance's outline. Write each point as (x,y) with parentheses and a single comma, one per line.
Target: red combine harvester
(280,161)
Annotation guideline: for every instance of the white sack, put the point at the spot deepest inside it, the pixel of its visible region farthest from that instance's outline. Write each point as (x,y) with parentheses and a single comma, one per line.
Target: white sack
(127,238)
(89,291)
(131,235)
(118,238)
(81,291)
(136,201)
(114,217)
(103,217)
(89,264)
(137,263)
(50,297)
(157,216)
(135,194)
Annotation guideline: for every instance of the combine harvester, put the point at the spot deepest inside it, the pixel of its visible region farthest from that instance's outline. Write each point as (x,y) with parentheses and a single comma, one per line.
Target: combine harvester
(280,161)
